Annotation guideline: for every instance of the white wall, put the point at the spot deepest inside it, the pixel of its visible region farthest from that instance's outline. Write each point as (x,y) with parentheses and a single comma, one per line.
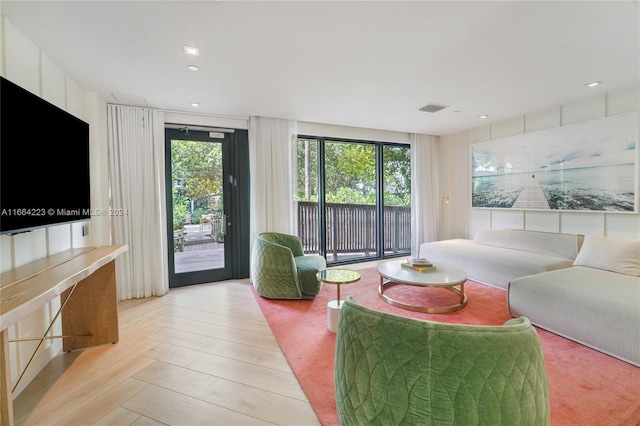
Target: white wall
(462,221)
(24,63)
(357,133)
(303,127)
(205,120)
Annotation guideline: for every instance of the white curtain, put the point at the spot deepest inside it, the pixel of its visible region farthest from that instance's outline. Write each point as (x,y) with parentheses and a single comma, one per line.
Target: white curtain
(271,159)
(425,204)
(136,179)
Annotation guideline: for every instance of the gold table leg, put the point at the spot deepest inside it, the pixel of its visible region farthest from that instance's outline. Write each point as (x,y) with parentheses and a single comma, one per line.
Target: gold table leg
(431,310)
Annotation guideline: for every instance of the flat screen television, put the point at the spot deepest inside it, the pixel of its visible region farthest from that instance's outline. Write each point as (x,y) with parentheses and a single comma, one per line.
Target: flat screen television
(44,163)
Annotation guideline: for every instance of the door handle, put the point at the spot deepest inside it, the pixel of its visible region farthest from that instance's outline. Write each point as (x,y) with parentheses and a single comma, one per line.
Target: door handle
(224,224)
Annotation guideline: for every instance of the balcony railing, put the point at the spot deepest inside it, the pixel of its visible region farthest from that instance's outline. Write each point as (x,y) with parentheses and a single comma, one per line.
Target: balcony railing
(351,228)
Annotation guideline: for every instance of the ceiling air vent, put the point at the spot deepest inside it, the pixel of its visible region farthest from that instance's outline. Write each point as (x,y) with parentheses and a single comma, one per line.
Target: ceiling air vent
(432,108)
(130,100)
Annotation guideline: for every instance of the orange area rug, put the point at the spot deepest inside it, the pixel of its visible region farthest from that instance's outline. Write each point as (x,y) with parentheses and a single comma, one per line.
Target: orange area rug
(586,387)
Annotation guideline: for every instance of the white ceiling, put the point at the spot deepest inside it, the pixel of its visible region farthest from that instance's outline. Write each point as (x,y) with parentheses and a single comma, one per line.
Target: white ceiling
(365,64)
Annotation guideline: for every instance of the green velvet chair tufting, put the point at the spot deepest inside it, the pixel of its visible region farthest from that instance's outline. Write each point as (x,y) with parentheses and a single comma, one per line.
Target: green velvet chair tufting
(280,270)
(392,370)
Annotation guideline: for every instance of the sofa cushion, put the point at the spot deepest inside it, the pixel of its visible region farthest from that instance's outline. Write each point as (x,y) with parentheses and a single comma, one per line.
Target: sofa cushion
(594,307)
(554,244)
(492,265)
(610,254)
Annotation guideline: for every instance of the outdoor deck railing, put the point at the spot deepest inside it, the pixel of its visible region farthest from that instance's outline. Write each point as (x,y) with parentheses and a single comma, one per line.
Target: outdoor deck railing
(351,228)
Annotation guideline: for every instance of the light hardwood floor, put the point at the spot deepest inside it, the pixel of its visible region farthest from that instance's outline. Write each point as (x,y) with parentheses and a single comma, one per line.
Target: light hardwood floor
(200,355)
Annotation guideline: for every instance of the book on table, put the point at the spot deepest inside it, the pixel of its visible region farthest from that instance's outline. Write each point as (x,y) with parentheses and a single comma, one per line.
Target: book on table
(421,261)
(418,268)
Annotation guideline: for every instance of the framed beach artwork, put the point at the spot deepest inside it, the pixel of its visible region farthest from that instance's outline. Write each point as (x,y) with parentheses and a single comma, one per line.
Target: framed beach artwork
(591,166)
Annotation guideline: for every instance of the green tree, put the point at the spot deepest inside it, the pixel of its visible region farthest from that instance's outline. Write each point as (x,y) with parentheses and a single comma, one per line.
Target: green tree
(307,163)
(397,175)
(350,173)
(197,166)
(350,169)
(180,209)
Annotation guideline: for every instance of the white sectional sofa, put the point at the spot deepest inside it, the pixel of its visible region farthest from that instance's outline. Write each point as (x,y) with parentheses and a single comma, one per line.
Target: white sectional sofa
(497,256)
(596,302)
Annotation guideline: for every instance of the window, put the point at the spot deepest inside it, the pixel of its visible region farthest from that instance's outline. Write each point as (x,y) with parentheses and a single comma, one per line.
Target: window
(354,198)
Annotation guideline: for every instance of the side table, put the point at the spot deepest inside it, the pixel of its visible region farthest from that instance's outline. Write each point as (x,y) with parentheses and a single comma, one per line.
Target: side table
(337,277)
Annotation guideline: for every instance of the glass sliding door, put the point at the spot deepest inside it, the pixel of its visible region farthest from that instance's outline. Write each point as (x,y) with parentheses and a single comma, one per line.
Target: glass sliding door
(307,195)
(396,172)
(350,190)
(354,199)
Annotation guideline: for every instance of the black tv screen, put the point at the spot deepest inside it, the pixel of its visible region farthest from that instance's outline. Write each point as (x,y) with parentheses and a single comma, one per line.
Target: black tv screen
(44,163)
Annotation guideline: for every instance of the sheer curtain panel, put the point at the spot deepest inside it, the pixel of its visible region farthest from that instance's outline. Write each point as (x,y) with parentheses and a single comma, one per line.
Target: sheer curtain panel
(425,207)
(136,172)
(271,165)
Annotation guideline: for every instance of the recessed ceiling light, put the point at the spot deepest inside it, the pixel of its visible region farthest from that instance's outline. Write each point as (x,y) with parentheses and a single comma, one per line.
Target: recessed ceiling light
(195,104)
(191,50)
(193,67)
(593,84)
(483,116)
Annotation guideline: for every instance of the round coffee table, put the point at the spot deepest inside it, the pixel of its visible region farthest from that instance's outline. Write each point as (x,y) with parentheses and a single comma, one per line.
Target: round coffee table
(337,277)
(444,276)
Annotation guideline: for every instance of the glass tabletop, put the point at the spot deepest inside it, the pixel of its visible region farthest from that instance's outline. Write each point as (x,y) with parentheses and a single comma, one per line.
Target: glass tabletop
(338,276)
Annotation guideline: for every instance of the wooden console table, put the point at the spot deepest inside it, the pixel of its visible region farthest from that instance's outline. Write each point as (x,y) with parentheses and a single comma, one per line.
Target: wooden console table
(85,280)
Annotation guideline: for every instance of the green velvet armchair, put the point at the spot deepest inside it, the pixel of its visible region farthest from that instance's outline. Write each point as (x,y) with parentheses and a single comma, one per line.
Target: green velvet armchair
(392,370)
(280,270)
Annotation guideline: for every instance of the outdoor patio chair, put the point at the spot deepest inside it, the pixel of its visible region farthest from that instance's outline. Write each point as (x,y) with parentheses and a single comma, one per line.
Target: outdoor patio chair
(280,269)
(392,370)
(205,221)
